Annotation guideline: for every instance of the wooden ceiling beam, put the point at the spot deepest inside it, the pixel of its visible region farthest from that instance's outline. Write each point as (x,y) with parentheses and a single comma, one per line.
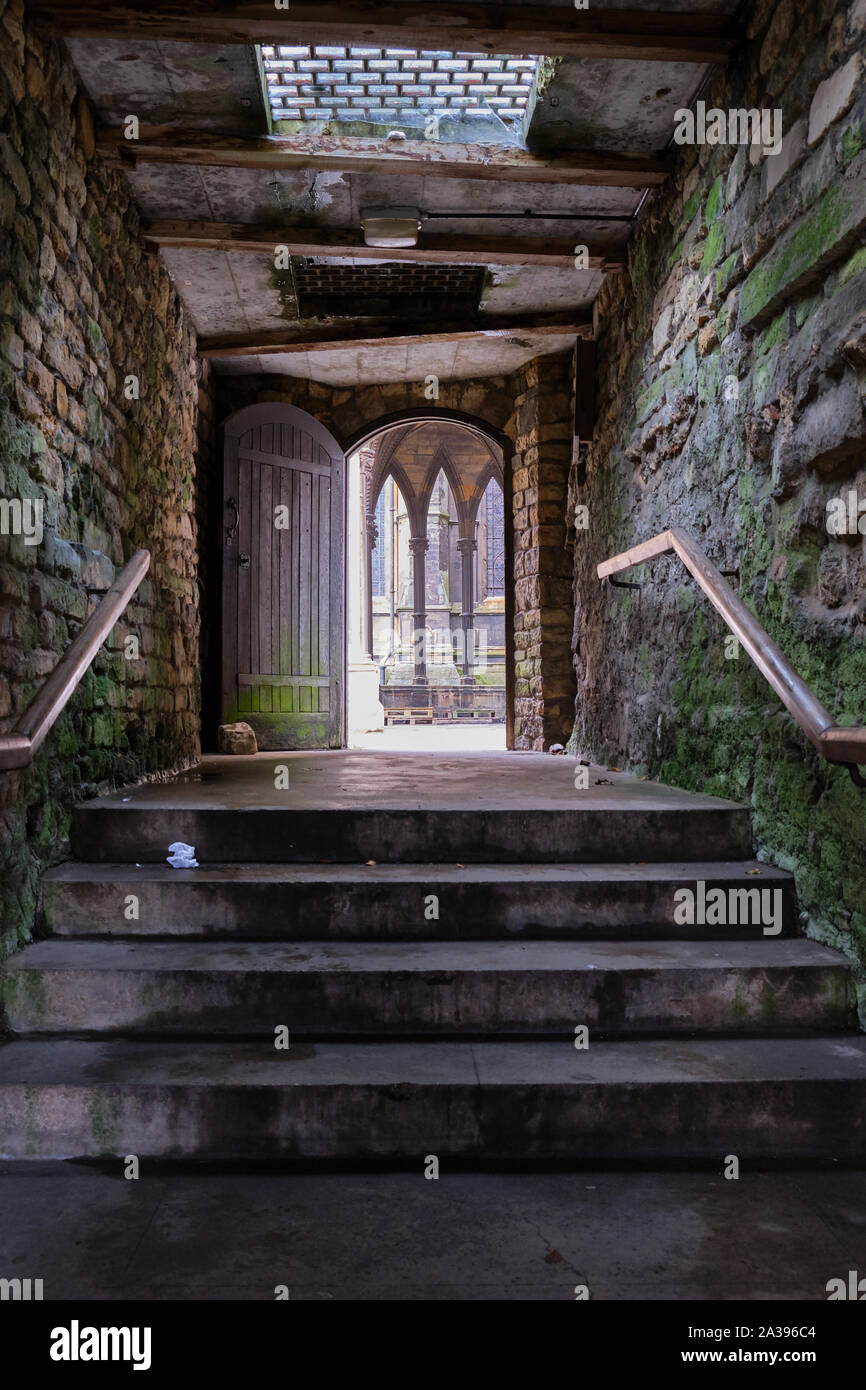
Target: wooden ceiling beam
(391,335)
(364,155)
(670,37)
(432,250)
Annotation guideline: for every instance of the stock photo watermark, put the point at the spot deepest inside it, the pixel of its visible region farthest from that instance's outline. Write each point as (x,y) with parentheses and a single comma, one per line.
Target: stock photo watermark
(24,517)
(731,907)
(846,516)
(738,126)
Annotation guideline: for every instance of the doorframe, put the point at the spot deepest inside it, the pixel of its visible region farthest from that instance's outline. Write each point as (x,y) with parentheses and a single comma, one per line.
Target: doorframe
(419,415)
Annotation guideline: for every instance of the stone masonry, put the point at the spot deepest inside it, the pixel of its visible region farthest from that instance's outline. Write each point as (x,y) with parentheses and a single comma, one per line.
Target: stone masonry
(542,562)
(83,309)
(731,378)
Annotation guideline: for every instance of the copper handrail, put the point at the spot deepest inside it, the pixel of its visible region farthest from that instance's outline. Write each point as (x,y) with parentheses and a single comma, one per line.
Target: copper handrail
(836,744)
(19,748)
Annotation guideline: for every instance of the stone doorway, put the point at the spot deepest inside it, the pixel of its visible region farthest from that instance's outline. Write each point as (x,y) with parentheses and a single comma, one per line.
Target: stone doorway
(428,578)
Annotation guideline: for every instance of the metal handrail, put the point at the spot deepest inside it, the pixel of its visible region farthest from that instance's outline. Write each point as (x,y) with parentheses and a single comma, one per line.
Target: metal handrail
(19,748)
(836,744)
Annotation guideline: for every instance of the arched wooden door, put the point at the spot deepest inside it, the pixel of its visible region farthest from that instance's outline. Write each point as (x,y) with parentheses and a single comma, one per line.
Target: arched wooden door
(282,638)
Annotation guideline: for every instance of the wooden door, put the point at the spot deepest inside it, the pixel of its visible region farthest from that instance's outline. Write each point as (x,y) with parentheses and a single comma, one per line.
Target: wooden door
(283,578)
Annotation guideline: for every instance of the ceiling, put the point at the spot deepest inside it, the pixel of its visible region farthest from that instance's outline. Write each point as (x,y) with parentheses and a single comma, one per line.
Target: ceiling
(218,208)
(415,454)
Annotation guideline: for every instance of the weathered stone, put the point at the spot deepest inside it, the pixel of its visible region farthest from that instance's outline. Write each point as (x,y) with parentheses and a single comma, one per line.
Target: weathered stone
(777,35)
(772,427)
(830,430)
(14,170)
(84,124)
(708,338)
(110,475)
(662,330)
(833,98)
(819,238)
(237,738)
(777,167)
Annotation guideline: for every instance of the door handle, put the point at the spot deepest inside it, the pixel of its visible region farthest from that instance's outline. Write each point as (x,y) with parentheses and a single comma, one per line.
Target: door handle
(244,561)
(231,530)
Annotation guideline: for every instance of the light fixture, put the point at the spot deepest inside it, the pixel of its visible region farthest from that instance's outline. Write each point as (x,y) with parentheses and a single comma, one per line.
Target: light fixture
(391,226)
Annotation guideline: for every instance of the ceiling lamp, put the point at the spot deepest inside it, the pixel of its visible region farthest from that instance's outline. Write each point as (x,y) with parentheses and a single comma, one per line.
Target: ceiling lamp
(391,227)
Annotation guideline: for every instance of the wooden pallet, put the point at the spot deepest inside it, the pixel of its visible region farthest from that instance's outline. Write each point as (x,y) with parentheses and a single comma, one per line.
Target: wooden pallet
(409,715)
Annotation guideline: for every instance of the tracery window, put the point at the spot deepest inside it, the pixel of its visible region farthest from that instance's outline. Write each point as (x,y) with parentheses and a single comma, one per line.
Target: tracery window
(494,525)
(378,557)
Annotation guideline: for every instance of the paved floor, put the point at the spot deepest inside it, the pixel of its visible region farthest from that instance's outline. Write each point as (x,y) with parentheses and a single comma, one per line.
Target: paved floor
(436,738)
(673,1235)
(349,779)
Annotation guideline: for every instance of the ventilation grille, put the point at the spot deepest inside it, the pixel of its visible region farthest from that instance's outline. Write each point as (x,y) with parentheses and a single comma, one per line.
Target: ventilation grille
(404,291)
(396,84)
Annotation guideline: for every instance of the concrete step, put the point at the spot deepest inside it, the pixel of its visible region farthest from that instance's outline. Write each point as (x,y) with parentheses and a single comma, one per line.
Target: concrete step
(668,826)
(759,1099)
(392,989)
(315,902)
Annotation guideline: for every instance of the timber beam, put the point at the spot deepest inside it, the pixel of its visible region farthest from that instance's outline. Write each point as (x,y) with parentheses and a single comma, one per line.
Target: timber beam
(391,335)
(367,155)
(556,31)
(432,250)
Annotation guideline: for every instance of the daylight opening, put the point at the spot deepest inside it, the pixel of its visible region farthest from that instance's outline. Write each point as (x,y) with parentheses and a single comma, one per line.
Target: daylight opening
(426,590)
(398,87)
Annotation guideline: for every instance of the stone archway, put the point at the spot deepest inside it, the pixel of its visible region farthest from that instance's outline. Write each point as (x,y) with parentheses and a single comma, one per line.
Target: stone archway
(530,415)
(468,452)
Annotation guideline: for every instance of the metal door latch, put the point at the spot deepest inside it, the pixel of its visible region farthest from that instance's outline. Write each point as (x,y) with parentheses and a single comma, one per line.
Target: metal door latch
(231,530)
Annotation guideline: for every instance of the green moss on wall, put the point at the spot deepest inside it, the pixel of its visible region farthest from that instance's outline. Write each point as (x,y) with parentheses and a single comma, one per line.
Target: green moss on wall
(747,471)
(812,239)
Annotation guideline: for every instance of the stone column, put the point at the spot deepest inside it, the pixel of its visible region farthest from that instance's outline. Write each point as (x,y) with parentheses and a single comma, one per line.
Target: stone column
(367,460)
(418,551)
(372,540)
(467,547)
(365,712)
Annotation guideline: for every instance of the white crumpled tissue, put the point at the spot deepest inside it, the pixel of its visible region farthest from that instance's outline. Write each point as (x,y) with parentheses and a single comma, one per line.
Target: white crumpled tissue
(181,856)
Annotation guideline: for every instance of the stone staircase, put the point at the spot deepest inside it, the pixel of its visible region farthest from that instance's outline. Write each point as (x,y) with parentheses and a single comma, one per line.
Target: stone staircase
(431,998)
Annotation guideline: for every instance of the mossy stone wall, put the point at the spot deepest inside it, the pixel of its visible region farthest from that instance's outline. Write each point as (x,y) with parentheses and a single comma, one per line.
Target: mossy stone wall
(731,379)
(84,308)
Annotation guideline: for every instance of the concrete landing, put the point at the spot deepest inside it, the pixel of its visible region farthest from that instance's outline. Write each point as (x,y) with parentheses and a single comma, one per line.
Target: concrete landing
(407,808)
(343,780)
(466,1237)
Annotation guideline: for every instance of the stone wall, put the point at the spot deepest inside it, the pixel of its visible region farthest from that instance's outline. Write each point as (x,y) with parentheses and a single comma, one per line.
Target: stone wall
(83,308)
(347,411)
(533,408)
(544,613)
(731,360)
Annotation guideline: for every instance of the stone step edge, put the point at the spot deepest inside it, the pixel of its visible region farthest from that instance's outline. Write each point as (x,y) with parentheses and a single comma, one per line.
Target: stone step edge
(215,958)
(228,872)
(834,1058)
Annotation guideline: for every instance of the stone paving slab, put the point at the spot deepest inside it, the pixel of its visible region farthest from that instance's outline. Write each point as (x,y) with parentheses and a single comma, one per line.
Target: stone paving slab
(396,1237)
